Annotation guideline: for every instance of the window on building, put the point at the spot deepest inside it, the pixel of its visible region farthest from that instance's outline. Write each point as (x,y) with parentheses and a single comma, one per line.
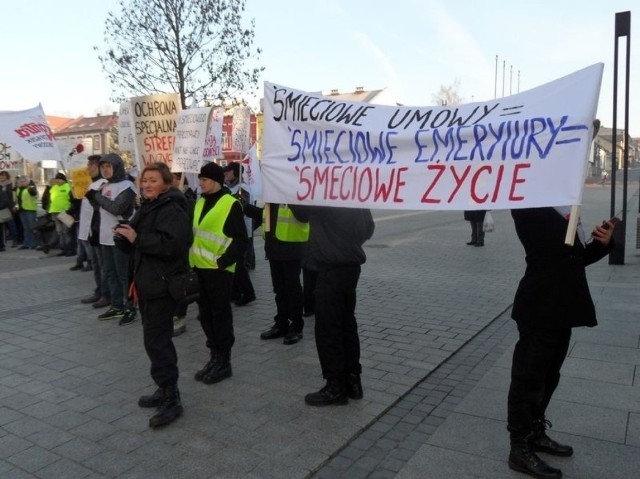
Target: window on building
(97,144)
(226,141)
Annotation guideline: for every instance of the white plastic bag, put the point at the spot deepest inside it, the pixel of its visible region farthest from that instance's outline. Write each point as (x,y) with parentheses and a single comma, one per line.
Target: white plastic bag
(488,226)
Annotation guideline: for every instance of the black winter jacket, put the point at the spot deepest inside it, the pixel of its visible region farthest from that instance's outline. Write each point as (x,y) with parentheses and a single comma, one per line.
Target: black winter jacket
(553,293)
(336,235)
(161,247)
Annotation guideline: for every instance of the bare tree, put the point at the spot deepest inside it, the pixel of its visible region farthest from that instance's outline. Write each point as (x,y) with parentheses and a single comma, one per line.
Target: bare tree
(197,48)
(448,95)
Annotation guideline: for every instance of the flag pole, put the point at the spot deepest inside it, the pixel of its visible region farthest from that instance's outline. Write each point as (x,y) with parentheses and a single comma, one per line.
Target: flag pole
(574,216)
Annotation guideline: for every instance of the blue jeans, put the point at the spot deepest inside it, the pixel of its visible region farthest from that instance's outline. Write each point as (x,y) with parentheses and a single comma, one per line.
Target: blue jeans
(28,218)
(116,266)
(85,252)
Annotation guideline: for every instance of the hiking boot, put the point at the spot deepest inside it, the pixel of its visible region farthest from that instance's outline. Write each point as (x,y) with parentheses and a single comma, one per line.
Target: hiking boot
(170,409)
(220,370)
(200,374)
(179,325)
(523,459)
(111,313)
(334,392)
(90,299)
(354,386)
(292,336)
(540,442)
(129,317)
(152,400)
(273,332)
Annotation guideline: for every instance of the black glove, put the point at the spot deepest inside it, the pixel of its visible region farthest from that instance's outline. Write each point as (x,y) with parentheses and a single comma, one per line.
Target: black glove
(90,195)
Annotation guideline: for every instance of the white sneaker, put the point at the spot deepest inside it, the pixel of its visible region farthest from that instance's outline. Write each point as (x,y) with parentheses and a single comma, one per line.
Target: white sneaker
(179,325)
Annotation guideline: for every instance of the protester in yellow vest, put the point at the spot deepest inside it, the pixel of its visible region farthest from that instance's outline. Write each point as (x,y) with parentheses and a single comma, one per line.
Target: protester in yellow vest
(27,203)
(285,243)
(60,195)
(219,241)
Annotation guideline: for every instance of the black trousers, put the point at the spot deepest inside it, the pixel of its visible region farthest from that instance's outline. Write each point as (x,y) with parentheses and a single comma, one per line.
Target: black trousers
(477,232)
(242,285)
(535,374)
(336,328)
(216,317)
(285,278)
(309,278)
(157,330)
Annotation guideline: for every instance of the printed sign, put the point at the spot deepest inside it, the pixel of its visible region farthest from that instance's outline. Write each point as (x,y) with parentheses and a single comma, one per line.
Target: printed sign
(213,142)
(241,129)
(125,128)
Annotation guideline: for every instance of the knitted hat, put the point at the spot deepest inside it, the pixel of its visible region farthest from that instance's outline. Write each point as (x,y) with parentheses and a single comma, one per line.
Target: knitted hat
(212,171)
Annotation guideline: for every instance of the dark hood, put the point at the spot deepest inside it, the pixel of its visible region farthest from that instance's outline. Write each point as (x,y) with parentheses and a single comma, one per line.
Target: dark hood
(118,167)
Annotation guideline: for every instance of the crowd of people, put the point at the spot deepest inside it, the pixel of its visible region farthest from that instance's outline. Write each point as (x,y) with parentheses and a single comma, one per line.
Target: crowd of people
(136,235)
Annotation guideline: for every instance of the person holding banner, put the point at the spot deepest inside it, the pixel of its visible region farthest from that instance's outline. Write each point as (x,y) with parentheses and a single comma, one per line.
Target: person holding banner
(220,239)
(335,251)
(552,298)
(285,242)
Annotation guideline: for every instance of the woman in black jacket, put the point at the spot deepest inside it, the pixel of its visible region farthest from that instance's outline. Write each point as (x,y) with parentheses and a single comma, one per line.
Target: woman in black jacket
(159,237)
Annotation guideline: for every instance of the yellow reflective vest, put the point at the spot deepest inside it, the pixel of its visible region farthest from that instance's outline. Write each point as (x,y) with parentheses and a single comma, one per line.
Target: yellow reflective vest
(288,228)
(209,240)
(28,202)
(60,200)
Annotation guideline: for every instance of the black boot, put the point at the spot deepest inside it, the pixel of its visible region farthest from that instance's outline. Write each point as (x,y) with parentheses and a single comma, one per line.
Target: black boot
(334,392)
(220,370)
(152,400)
(540,442)
(170,409)
(354,386)
(523,459)
(200,374)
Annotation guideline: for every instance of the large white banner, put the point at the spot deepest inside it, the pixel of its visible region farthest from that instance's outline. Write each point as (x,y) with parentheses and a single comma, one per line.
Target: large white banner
(525,150)
(154,121)
(29,133)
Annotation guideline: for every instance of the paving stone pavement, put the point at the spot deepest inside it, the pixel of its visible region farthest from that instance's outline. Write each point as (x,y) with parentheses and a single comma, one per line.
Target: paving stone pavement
(434,327)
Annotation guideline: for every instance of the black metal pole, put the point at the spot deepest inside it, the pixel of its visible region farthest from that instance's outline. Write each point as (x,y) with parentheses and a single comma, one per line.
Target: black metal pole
(622,29)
